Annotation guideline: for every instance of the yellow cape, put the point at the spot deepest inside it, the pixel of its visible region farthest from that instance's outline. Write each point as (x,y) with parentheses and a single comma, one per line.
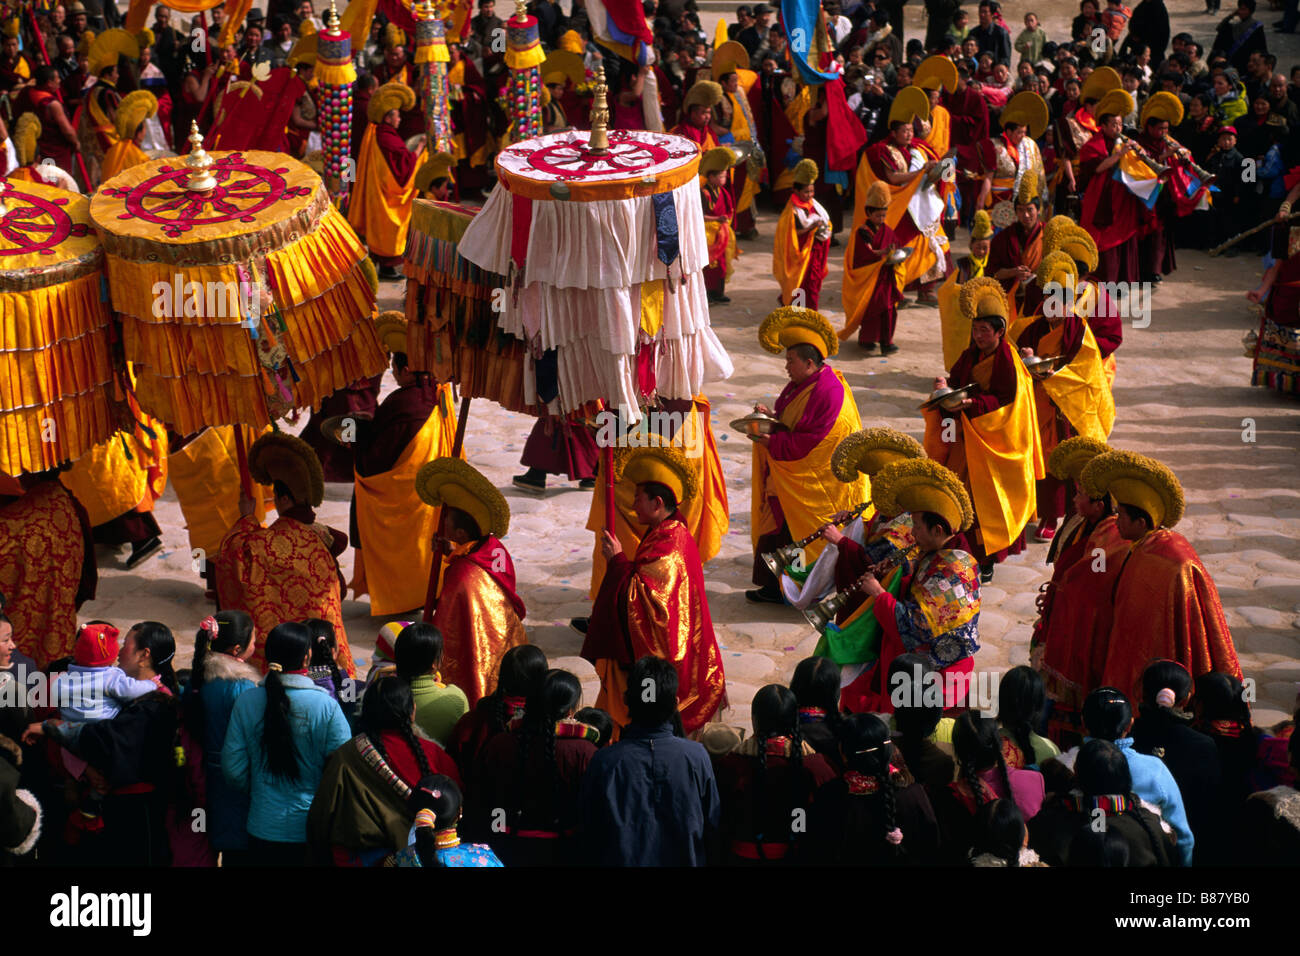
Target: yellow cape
(381,206)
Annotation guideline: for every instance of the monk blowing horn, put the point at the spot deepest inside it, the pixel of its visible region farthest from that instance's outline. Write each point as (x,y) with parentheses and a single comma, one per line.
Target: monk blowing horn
(824,611)
(777,560)
(1251,231)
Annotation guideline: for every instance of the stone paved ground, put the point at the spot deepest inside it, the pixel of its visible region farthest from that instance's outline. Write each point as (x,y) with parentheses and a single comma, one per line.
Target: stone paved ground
(1182,394)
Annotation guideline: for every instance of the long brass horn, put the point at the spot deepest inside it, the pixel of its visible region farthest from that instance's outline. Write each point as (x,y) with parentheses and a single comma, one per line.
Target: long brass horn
(778,560)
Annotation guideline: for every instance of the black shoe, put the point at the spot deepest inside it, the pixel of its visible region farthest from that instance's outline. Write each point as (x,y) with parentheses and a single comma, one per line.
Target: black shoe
(526,482)
(889,349)
(867,347)
(143,550)
(587,484)
(761,596)
(986,572)
(579,624)
(388,272)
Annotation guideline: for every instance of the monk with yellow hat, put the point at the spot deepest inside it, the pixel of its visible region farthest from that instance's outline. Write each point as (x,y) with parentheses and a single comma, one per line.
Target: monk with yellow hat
(794,490)
(135,108)
(803,239)
(480,613)
(696,122)
(936,609)
(872,290)
(1017,249)
(991,440)
(288,571)
(730,68)
(1165,604)
(1111,213)
(653,602)
(1186,187)
(391,529)
(719,214)
(1068,645)
(1007,160)
(382,197)
(1076,398)
(96,130)
(936,75)
(1103,313)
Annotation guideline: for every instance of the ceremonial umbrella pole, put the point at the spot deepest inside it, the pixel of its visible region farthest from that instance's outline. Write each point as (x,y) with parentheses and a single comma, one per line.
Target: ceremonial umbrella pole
(335,75)
(432,57)
(597,239)
(524,55)
(56,372)
(240,288)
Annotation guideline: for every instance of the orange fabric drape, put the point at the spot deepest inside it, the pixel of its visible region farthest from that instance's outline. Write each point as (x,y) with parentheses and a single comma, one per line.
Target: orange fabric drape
(381,206)
(121,155)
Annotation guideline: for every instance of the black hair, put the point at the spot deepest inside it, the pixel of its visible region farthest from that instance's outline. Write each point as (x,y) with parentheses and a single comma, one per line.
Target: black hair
(604,724)
(932,520)
(523,669)
(234,630)
(464,521)
(774,712)
(1000,831)
(1165,675)
(915,717)
(439,793)
(417,650)
(1107,713)
(977,745)
(1135,513)
(655,489)
(1221,697)
(1098,848)
(867,749)
(324,644)
(1020,706)
(655,678)
(282,490)
(158,640)
(808,353)
(816,683)
(387,706)
(45,73)
(558,696)
(287,645)
(4,618)
(1101,768)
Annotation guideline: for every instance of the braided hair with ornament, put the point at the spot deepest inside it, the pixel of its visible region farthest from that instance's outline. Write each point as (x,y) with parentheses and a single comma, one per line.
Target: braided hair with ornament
(775,716)
(435,803)
(978,748)
(868,754)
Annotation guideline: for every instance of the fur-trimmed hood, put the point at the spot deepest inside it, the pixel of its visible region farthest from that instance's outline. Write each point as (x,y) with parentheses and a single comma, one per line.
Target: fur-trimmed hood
(1284,802)
(217,666)
(1027,858)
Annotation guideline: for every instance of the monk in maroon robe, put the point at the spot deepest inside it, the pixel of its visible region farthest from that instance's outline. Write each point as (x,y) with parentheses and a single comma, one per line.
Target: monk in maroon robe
(360,398)
(1053,426)
(1112,215)
(870,244)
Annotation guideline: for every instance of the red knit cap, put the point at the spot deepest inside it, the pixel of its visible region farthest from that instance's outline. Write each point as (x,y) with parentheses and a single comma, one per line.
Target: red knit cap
(96,645)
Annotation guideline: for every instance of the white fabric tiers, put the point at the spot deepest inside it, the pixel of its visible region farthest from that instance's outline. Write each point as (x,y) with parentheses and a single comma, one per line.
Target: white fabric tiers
(580,293)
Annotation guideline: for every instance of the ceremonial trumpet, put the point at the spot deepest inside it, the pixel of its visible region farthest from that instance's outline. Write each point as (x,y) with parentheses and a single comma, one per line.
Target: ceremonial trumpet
(777,560)
(824,611)
(1146,158)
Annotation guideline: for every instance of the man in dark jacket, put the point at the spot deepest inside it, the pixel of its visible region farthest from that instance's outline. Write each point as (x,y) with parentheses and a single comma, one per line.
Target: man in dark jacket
(650,799)
(1150,25)
(991,37)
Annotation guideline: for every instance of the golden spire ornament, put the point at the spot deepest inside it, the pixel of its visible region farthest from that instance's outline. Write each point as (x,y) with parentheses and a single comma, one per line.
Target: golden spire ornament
(598,142)
(198,162)
(332,18)
(521,9)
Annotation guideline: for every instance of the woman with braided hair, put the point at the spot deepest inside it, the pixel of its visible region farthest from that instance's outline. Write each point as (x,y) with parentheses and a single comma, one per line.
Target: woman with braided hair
(523,669)
(767,781)
(874,813)
(816,688)
(434,840)
(1021,698)
(360,812)
(533,774)
(1001,837)
(982,777)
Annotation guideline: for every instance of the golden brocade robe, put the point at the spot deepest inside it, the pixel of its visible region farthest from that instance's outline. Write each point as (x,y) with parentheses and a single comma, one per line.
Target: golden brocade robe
(282,573)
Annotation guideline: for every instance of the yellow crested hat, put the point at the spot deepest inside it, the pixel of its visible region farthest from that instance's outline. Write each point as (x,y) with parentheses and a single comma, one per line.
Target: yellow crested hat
(278,456)
(86,42)
(703,93)
(1138,481)
(1028,191)
(458,484)
(1099,82)
(26,132)
(144,37)
(920,484)
(306,28)
(135,108)
(716,160)
(393,36)
(910,103)
(1161,106)
(1054,228)
(1070,457)
(936,72)
(981,226)
(571,41)
(665,464)
(871,449)
(390,327)
(984,298)
(435,167)
(1080,246)
(1057,267)
(787,327)
(728,58)
(393,95)
(805,172)
(878,196)
(108,46)
(569,65)
(1115,103)
(1028,109)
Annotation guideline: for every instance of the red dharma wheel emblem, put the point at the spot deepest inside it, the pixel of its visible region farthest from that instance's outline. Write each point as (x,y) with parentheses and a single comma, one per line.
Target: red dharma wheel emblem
(572,161)
(242,191)
(33,225)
